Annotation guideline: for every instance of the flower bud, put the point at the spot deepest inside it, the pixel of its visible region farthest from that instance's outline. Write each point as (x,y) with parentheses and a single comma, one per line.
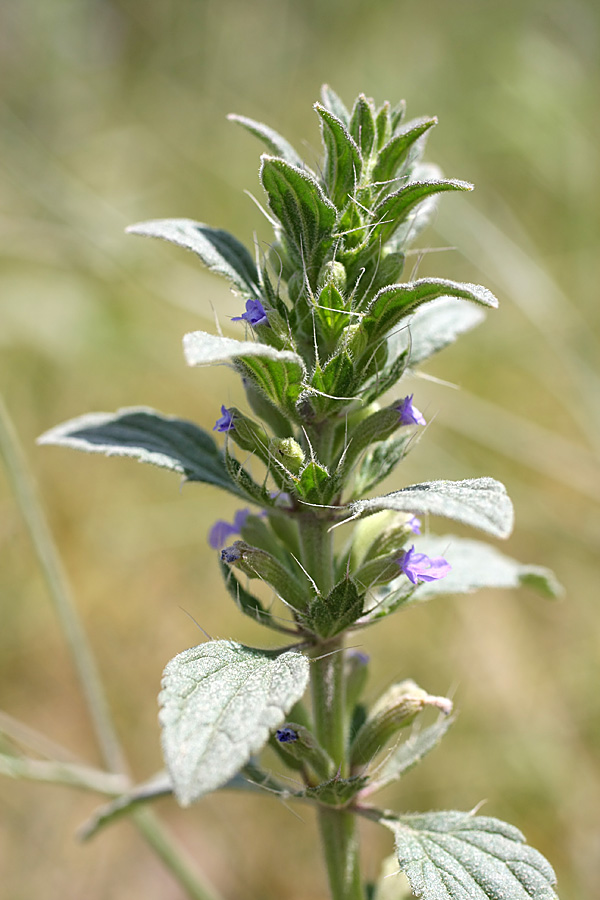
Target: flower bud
(288,452)
(298,742)
(333,273)
(396,709)
(247,434)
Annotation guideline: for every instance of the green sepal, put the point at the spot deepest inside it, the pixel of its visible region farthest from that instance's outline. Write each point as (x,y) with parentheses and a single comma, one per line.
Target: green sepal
(396,152)
(313,484)
(328,616)
(378,462)
(246,485)
(248,434)
(306,750)
(275,143)
(410,753)
(257,563)
(246,602)
(377,427)
(332,317)
(306,215)
(383,124)
(393,209)
(279,379)
(362,125)
(338,792)
(265,409)
(343,163)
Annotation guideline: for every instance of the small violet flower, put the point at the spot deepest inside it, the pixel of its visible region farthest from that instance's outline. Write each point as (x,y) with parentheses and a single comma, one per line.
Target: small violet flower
(225,423)
(222,530)
(414,524)
(286,735)
(254,315)
(230,554)
(409,414)
(418,567)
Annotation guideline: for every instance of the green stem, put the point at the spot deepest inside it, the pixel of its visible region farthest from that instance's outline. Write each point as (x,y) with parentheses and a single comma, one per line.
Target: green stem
(60,593)
(316,546)
(337,827)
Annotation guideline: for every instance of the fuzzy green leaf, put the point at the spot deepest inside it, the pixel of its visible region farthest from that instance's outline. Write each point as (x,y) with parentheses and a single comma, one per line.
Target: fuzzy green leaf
(149,437)
(220,251)
(393,210)
(432,327)
(327,616)
(362,125)
(480,502)
(275,143)
(244,600)
(219,703)
(396,152)
(395,302)
(313,483)
(461,856)
(378,462)
(342,160)
(307,216)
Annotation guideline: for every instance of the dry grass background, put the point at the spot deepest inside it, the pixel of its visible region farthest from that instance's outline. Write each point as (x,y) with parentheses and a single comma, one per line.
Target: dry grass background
(114,111)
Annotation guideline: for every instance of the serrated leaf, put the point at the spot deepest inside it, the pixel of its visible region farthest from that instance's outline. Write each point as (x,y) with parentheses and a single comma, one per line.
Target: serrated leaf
(148,436)
(334,104)
(396,151)
(327,616)
(476,565)
(410,752)
(219,703)
(313,483)
(395,207)
(480,502)
(395,302)
(343,162)
(307,216)
(460,856)
(336,792)
(275,143)
(220,251)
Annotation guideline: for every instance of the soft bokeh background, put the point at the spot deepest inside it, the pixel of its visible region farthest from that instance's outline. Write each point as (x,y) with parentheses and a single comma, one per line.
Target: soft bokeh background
(113,111)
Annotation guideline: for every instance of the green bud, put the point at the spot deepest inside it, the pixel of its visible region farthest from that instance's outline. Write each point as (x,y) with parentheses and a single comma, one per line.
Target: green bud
(289,453)
(266,410)
(301,745)
(333,273)
(396,709)
(257,563)
(249,435)
(356,671)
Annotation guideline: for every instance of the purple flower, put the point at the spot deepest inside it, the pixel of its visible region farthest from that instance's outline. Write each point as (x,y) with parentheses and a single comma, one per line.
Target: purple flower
(222,530)
(254,315)
(409,414)
(225,423)
(286,735)
(414,524)
(418,567)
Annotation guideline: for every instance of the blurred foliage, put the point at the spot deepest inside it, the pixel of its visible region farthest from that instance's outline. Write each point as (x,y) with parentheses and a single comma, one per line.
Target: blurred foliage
(113,111)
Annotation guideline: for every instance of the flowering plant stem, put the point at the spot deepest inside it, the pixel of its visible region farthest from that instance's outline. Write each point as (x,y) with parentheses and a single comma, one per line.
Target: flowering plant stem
(330,329)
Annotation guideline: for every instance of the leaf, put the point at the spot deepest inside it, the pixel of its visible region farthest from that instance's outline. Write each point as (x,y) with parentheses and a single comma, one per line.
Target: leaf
(410,752)
(477,565)
(276,144)
(378,462)
(220,251)
(327,616)
(432,327)
(219,703)
(460,856)
(244,600)
(343,163)
(334,104)
(313,485)
(336,792)
(394,208)
(480,502)
(362,125)
(307,216)
(148,436)
(278,373)
(396,301)
(396,151)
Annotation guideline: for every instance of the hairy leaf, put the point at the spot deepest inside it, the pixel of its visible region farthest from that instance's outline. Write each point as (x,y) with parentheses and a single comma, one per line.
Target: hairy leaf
(334,104)
(220,251)
(219,703)
(307,216)
(149,437)
(276,144)
(480,502)
(410,752)
(461,856)
(396,151)
(432,327)
(394,208)
(342,161)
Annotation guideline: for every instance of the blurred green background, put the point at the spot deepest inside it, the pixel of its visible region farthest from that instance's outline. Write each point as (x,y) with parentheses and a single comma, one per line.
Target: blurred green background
(113,111)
